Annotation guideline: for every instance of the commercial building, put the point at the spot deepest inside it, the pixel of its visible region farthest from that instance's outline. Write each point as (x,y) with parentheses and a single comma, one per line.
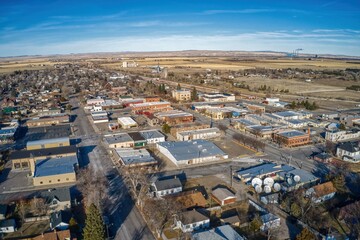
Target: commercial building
(135,157)
(218,97)
(150,107)
(152,136)
(139,140)
(304,179)
(191,152)
(48,121)
(48,132)
(206,133)
(99,116)
(338,136)
(181,95)
(187,127)
(349,151)
(255,108)
(95,101)
(48,143)
(261,171)
(127,122)
(21,159)
(120,140)
(55,171)
(292,138)
(174,117)
(133,139)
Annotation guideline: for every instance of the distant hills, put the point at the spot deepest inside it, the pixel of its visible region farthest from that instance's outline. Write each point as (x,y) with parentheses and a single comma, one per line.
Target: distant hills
(185,53)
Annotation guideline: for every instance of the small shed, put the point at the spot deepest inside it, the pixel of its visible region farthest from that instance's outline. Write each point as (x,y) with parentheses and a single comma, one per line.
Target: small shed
(223,196)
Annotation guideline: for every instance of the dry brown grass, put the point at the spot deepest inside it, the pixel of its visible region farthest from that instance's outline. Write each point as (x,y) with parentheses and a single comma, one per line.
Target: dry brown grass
(230,64)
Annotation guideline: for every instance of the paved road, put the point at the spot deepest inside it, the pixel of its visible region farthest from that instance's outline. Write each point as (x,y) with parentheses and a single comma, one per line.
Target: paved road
(125,220)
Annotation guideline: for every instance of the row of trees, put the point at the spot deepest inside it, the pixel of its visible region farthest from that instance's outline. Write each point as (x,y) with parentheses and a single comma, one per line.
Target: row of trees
(304,104)
(249,141)
(157,212)
(94,193)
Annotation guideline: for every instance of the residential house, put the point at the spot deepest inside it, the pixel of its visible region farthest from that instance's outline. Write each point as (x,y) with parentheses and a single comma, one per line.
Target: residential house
(192,220)
(270,221)
(166,187)
(60,220)
(57,198)
(225,232)
(7,226)
(55,235)
(321,193)
(349,151)
(323,157)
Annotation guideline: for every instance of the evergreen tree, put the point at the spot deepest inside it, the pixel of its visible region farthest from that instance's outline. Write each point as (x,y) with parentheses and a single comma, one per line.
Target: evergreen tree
(166,128)
(194,95)
(94,225)
(178,87)
(293,105)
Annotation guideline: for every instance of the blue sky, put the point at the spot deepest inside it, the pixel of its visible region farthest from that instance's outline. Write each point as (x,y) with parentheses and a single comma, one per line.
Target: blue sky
(60,27)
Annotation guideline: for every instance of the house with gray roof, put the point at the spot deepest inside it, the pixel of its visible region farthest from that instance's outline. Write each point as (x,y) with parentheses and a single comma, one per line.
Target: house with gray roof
(163,187)
(57,198)
(60,220)
(349,151)
(192,220)
(225,232)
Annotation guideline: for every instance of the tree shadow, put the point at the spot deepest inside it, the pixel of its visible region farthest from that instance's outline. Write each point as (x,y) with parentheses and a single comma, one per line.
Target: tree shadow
(4,174)
(84,151)
(72,117)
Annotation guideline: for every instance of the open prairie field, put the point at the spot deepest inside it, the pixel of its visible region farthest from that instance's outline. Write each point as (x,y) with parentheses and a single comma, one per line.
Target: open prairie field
(28,64)
(228,63)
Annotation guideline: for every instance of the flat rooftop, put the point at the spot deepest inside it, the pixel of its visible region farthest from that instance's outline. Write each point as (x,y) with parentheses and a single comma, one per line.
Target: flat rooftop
(43,152)
(47,141)
(188,150)
(130,156)
(291,133)
(287,114)
(262,169)
(118,138)
(48,132)
(200,131)
(127,121)
(147,104)
(151,134)
(55,166)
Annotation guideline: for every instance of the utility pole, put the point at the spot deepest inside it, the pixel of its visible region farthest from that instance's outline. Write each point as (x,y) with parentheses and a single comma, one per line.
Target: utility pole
(231,177)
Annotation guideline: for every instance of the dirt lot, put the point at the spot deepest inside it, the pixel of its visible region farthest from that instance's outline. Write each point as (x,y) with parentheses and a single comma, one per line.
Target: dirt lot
(233,149)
